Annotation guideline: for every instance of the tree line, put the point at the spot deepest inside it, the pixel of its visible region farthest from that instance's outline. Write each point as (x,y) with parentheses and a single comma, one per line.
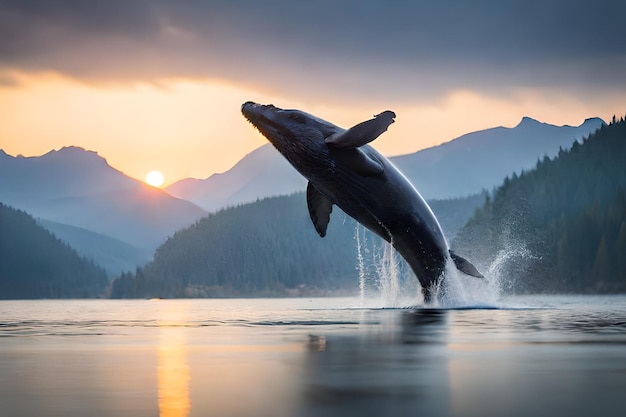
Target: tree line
(35,264)
(266,248)
(562,226)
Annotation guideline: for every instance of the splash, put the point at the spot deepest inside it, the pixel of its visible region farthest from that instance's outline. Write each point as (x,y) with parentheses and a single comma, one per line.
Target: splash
(386,281)
(460,290)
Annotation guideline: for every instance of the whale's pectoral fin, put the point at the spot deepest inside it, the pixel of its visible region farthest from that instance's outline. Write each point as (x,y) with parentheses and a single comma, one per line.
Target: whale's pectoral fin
(362,133)
(465,266)
(320,208)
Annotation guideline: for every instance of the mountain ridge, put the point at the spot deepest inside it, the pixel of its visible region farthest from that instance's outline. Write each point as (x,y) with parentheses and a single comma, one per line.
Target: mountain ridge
(434,171)
(79,188)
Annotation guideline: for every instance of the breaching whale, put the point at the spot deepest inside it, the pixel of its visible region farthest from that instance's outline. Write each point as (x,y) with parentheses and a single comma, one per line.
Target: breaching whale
(343,170)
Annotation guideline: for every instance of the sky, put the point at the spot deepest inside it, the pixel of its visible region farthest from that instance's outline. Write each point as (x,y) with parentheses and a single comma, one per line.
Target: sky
(158,85)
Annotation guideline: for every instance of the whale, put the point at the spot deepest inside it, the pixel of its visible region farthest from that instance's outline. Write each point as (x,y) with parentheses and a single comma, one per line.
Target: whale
(343,170)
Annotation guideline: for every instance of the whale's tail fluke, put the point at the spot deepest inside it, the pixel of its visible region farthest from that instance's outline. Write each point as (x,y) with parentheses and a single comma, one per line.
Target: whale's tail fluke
(465,266)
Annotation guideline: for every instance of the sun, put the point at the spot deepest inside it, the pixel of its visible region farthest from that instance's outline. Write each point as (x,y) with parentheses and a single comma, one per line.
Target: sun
(154,178)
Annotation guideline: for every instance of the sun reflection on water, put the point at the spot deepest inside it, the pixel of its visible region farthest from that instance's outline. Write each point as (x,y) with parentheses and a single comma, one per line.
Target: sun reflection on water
(173,371)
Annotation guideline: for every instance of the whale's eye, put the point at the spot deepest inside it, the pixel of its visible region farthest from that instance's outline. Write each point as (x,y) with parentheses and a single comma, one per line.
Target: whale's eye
(296,117)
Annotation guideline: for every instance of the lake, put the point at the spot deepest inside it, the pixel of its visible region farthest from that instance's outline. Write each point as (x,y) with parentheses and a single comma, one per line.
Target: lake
(514,356)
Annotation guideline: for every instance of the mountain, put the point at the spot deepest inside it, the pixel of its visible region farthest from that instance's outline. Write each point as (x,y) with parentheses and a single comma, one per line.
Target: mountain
(261,173)
(461,167)
(560,227)
(79,188)
(35,264)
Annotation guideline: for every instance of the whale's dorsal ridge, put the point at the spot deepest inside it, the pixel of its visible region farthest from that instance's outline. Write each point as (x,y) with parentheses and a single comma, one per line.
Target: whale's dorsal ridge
(362,133)
(320,208)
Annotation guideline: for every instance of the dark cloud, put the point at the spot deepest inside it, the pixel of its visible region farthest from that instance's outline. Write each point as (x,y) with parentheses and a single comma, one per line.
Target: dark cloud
(401,48)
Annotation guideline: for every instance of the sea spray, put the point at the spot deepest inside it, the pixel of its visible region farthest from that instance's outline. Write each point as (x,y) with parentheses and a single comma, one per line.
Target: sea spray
(361,242)
(514,255)
(460,290)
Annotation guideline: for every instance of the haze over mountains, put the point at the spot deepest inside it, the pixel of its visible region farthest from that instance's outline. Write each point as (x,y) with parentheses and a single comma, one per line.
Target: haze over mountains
(36,264)
(114,255)
(461,167)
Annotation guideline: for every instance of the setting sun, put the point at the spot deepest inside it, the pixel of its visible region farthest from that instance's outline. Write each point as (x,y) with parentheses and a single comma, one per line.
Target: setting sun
(154,178)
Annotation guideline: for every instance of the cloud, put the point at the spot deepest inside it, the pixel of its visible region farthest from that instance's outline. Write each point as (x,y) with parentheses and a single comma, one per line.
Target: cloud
(352,49)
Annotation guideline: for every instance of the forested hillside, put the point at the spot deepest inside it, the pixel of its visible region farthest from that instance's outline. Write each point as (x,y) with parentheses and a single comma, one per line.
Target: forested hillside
(254,249)
(265,248)
(563,224)
(111,254)
(35,264)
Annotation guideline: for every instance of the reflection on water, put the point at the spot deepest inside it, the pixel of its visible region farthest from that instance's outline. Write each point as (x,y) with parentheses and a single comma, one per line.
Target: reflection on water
(424,326)
(387,371)
(172,370)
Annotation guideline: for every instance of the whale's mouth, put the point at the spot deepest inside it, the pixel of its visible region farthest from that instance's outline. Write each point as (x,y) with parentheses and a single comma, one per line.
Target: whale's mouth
(249,106)
(259,115)
(254,111)
(250,110)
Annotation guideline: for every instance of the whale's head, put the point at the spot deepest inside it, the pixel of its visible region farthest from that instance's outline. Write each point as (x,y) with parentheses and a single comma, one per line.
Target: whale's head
(294,133)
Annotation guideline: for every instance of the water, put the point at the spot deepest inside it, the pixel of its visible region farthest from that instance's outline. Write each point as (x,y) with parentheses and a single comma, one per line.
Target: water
(521,356)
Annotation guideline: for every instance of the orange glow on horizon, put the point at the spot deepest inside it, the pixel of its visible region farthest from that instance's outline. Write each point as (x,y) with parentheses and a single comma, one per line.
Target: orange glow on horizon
(193,128)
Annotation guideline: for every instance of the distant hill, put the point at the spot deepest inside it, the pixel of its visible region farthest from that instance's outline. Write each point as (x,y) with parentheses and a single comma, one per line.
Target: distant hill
(464,166)
(35,264)
(78,188)
(562,226)
(113,255)
(269,247)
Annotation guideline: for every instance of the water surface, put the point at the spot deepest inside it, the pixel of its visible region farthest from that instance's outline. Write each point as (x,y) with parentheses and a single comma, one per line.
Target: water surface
(540,356)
